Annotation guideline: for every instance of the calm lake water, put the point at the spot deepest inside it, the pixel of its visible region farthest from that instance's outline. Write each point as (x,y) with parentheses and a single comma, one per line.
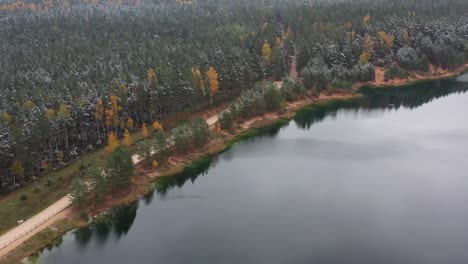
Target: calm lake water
(383,179)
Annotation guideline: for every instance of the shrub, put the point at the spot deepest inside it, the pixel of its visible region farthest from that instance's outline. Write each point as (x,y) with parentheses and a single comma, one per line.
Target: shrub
(287,91)
(330,89)
(182,135)
(49,182)
(291,89)
(316,76)
(120,166)
(144,149)
(249,103)
(363,73)
(298,88)
(395,71)
(200,131)
(160,144)
(409,59)
(272,98)
(23,196)
(341,84)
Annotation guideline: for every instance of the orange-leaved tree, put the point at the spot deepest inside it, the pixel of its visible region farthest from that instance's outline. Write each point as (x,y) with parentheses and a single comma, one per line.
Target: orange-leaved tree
(129,124)
(278,42)
(144,130)
(127,139)
(157,125)
(112,142)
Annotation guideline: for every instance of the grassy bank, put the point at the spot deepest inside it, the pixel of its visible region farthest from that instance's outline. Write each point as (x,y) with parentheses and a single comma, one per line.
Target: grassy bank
(40,195)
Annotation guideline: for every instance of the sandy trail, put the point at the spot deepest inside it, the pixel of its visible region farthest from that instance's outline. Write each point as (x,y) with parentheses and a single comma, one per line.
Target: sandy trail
(33,225)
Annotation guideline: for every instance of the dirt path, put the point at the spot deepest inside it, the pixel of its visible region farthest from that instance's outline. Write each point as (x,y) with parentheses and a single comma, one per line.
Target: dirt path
(293,69)
(211,121)
(33,225)
(379,75)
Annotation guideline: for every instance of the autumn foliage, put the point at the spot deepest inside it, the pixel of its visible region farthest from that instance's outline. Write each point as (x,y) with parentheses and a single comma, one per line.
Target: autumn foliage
(112,142)
(214,82)
(127,139)
(157,125)
(144,131)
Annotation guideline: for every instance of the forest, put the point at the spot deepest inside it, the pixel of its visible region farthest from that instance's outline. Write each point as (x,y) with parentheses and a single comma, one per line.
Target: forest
(72,73)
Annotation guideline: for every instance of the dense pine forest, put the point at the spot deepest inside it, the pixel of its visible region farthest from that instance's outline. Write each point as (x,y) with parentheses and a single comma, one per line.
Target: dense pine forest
(74,72)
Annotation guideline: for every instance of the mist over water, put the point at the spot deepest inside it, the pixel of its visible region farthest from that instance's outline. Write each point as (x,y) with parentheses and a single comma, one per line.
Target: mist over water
(381,179)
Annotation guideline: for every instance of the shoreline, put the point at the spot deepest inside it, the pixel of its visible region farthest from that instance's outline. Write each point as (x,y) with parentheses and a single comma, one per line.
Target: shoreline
(176,164)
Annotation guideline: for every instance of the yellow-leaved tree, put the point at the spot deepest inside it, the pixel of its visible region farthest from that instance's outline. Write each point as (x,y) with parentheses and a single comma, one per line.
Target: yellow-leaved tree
(144,130)
(198,80)
(364,58)
(266,51)
(214,83)
(278,42)
(386,39)
(151,75)
(115,109)
(28,105)
(406,38)
(112,142)
(127,139)
(6,118)
(17,168)
(50,114)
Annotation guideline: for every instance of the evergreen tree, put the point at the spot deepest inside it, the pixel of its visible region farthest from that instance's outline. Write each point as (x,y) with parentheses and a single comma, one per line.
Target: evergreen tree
(120,167)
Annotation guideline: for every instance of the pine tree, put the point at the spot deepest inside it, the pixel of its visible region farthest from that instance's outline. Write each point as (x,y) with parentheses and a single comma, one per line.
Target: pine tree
(79,192)
(120,167)
(144,149)
(100,181)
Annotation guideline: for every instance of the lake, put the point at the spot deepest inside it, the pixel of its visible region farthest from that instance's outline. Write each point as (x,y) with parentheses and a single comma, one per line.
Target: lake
(380,179)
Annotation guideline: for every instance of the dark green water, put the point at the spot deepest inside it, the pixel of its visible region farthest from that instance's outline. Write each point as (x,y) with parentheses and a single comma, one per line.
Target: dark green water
(383,179)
